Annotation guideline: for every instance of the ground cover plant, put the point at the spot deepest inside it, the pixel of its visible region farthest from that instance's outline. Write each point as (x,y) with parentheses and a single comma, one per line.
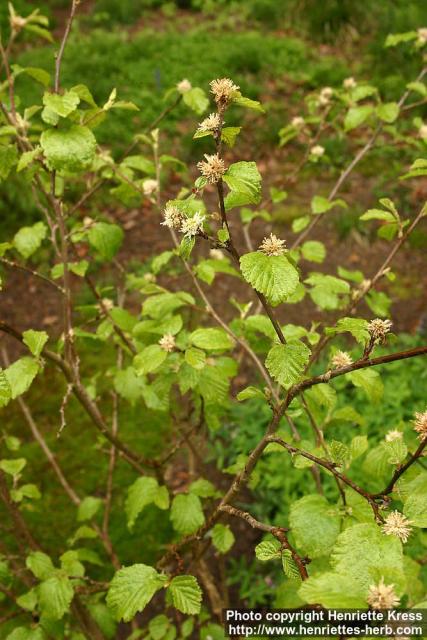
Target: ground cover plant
(172,444)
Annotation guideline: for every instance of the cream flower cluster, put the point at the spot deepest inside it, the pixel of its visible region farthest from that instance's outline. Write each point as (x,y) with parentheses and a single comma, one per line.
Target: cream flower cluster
(382,596)
(212,168)
(420,424)
(167,342)
(396,524)
(273,246)
(174,219)
(211,123)
(223,90)
(378,329)
(341,359)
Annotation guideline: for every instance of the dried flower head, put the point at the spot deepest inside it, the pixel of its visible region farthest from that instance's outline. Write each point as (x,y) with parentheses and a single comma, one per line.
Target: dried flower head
(211,123)
(396,524)
(167,342)
(349,83)
(184,86)
(297,122)
(422,35)
(17,23)
(273,246)
(223,90)
(106,304)
(216,254)
(382,596)
(325,96)
(341,359)
(379,329)
(172,217)
(392,436)
(213,168)
(317,151)
(88,222)
(149,187)
(420,424)
(422,131)
(192,226)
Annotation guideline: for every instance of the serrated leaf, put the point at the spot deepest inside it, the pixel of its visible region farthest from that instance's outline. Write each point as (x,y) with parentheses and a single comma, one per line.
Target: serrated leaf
(244,181)
(247,103)
(274,276)
(211,339)
(149,359)
(40,565)
(88,508)
(248,393)
(131,590)
(186,594)
(70,149)
(13,466)
(268,550)
(196,99)
(28,239)
(333,590)
(62,105)
(314,251)
(356,116)
(106,239)
(358,327)
(314,524)
(286,362)
(290,568)
(35,341)
(140,494)
(370,381)
(5,390)
(55,595)
(319,204)
(21,374)
(388,112)
(222,538)
(186,513)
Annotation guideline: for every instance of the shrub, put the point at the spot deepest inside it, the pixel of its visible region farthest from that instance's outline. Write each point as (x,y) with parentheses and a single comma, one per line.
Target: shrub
(150,369)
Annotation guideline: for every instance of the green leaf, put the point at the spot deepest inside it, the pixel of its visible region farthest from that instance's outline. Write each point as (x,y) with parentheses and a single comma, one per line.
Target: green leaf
(27,158)
(315,525)
(326,290)
(186,594)
(314,251)
(149,359)
(88,508)
(61,105)
(8,159)
(333,590)
(319,204)
(158,627)
(378,214)
(229,135)
(131,590)
(365,554)
(106,239)
(415,502)
(35,341)
(356,116)
(21,374)
(274,276)
(417,169)
(244,177)
(248,393)
(14,466)
(186,513)
(55,595)
(70,149)
(40,565)
(5,390)
(211,339)
(140,494)
(388,112)
(196,358)
(370,381)
(222,538)
(196,99)
(25,491)
(286,362)
(393,39)
(289,565)
(396,450)
(247,103)
(29,239)
(128,384)
(71,564)
(356,326)
(203,488)
(268,550)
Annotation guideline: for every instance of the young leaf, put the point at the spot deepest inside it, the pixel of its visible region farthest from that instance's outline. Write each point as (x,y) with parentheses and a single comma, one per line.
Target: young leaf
(286,362)
(149,359)
(106,239)
(55,595)
(209,339)
(140,494)
(40,565)
(131,590)
(222,538)
(268,550)
(314,524)
(186,513)
(21,374)
(274,276)
(186,594)
(29,239)
(88,508)
(35,341)
(70,149)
